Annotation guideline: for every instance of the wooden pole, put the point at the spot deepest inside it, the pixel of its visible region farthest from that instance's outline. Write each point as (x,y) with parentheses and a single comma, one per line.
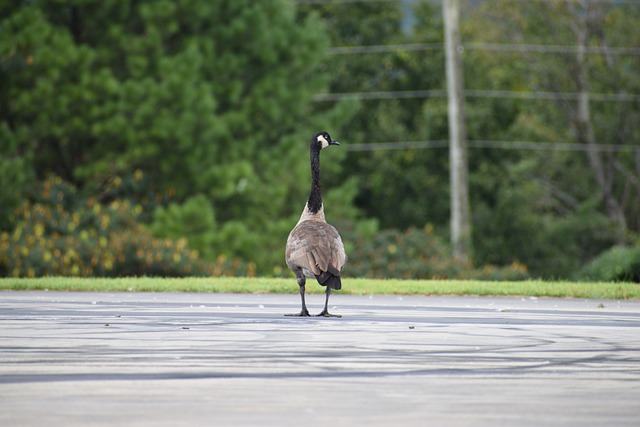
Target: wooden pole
(460,222)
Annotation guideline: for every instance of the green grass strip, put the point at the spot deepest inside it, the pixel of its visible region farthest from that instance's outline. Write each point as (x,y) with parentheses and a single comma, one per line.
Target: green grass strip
(350,286)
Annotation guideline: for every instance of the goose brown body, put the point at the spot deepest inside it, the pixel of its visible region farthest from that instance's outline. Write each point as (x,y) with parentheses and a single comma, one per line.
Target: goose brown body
(314,247)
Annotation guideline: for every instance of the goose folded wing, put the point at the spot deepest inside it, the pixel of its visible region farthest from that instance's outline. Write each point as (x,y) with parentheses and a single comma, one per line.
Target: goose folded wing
(316,247)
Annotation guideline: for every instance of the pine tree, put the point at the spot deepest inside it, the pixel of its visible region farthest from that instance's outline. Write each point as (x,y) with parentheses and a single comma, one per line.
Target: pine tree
(203,97)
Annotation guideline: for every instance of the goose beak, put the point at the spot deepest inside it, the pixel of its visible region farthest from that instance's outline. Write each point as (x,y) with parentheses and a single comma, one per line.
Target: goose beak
(334,143)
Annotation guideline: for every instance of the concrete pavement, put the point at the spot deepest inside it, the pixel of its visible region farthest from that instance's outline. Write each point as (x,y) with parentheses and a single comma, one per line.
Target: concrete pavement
(131,359)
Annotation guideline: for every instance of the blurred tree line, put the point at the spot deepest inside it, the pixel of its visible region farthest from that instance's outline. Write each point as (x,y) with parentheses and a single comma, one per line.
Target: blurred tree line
(170,137)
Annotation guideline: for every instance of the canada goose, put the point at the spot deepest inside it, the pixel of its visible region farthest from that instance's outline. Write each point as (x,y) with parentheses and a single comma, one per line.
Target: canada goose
(314,248)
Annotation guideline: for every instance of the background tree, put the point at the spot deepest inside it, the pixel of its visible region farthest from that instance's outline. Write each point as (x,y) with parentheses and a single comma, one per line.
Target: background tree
(197,114)
(204,98)
(560,216)
(405,187)
(533,206)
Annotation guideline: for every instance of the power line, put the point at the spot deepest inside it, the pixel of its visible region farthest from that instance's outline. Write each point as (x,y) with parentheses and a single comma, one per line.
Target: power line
(340,50)
(400,145)
(588,1)
(503,145)
(380,95)
(342,1)
(492,47)
(517,47)
(320,2)
(553,146)
(470,93)
(563,96)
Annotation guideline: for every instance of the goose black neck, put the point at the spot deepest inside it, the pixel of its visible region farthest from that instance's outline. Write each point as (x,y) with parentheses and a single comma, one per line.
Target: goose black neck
(315,197)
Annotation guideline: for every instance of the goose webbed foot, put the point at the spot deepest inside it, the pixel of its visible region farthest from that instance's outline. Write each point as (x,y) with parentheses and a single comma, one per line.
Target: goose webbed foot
(303,313)
(325,313)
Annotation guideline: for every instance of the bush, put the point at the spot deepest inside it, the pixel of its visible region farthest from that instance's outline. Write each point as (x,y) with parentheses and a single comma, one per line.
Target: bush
(15,172)
(194,220)
(416,254)
(620,263)
(59,233)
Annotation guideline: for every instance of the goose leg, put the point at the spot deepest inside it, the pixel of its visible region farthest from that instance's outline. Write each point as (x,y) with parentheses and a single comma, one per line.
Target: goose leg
(325,312)
(304,312)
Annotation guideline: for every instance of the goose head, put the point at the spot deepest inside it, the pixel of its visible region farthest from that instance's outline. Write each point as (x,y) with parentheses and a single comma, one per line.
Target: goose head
(322,140)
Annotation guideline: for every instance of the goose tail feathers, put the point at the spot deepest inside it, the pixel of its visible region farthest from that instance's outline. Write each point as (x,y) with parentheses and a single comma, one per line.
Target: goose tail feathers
(330,278)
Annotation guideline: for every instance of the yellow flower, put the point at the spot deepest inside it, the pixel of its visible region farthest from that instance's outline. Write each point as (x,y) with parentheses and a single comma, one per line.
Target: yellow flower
(181,243)
(38,229)
(251,269)
(17,233)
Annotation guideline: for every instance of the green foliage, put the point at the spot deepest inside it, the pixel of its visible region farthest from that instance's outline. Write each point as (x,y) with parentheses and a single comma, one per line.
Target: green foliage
(534,207)
(199,112)
(153,74)
(15,176)
(547,208)
(161,102)
(518,219)
(59,233)
(193,220)
(417,254)
(620,263)
(398,188)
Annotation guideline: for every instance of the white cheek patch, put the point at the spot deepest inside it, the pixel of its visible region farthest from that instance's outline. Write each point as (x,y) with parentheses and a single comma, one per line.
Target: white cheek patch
(323,141)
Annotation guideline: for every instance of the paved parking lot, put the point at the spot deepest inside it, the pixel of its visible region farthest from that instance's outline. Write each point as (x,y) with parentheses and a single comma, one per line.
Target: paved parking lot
(131,359)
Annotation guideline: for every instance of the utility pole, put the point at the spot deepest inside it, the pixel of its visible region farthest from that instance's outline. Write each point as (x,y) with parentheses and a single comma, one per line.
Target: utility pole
(459,186)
